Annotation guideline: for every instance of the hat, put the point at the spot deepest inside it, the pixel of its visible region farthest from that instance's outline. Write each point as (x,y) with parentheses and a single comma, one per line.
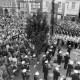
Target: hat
(26,56)
(14,70)
(50,50)
(60,51)
(55,42)
(37,73)
(23,62)
(44,55)
(71,62)
(69,45)
(24,70)
(5,57)
(57,68)
(78,63)
(46,61)
(34,55)
(67,53)
(47,52)
(75,71)
(51,46)
(14,59)
(7,46)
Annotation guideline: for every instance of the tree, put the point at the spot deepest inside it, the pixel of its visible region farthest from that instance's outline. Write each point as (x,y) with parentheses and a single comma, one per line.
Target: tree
(78,18)
(52,18)
(36,30)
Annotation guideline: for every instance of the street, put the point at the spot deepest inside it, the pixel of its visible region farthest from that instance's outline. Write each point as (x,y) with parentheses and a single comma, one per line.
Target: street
(39,66)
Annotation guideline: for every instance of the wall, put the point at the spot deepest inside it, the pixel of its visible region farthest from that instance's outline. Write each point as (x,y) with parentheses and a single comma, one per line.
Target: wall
(71,11)
(46,4)
(67,8)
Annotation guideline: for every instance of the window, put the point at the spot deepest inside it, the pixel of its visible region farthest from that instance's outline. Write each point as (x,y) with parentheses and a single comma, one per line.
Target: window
(59,3)
(24,5)
(33,6)
(21,5)
(46,4)
(39,4)
(67,4)
(73,5)
(33,3)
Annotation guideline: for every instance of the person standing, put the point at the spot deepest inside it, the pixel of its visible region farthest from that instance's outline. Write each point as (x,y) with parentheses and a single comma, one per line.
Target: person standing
(36,76)
(59,57)
(53,50)
(56,73)
(27,74)
(45,70)
(70,68)
(48,56)
(66,60)
(23,74)
(75,76)
(43,59)
(69,49)
(77,67)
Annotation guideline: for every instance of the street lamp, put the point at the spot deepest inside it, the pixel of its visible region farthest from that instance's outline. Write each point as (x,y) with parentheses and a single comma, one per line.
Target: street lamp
(52,17)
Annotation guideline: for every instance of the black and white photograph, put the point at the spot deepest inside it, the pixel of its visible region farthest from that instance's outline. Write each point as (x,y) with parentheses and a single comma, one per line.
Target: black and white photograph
(39,39)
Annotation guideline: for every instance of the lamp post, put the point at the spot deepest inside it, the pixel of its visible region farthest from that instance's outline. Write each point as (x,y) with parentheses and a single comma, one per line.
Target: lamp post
(52,21)
(52,17)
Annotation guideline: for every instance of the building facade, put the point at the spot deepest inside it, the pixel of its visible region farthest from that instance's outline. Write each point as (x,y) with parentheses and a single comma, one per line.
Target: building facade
(72,7)
(29,6)
(68,7)
(9,5)
(46,5)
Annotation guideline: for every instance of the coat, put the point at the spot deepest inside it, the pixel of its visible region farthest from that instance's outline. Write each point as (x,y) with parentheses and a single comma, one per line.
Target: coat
(75,77)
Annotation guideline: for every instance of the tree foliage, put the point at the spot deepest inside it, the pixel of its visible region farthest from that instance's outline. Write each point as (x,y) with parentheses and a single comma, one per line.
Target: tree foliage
(37,29)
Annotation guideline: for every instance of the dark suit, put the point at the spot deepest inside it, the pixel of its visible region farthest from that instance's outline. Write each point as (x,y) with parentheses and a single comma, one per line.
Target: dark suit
(75,77)
(56,75)
(66,60)
(69,69)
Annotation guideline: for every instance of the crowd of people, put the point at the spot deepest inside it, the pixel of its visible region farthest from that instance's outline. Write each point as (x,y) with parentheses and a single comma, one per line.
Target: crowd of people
(68,32)
(72,67)
(16,52)
(68,36)
(14,46)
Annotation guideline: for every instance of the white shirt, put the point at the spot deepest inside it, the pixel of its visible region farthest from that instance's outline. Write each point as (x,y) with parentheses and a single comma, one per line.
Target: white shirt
(10,58)
(14,59)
